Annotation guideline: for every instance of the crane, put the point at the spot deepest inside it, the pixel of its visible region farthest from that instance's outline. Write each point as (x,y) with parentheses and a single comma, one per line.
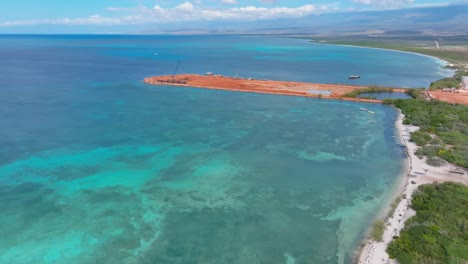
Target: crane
(175,72)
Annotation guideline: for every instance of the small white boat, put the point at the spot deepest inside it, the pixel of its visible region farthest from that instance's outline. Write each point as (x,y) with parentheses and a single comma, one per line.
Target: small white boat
(370,112)
(354,77)
(363,109)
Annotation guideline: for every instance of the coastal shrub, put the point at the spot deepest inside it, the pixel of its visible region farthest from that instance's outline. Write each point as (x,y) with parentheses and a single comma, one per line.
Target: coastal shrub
(415,93)
(387,101)
(430,151)
(374,88)
(450,82)
(438,231)
(437,142)
(453,137)
(455,156)
(447,123)
(419,153)
(445,83)
(378,230)
(459,73)
(370,89)
(421,138)
(435,161)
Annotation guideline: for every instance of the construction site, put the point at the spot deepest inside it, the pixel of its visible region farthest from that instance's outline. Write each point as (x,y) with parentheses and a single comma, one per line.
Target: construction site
(218,82)
(291,88)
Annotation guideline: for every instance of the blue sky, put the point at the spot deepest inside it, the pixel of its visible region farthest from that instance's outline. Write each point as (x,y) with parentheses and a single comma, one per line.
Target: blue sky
(22,13)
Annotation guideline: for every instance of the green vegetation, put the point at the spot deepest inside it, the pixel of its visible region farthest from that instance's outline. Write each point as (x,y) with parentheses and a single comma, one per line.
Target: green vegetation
(378,230)
(439,231)
(370,89)
(435,161)
(452,50)
(378,227)
(429,151)
(421,138)
(393,206)
(446,124)
(416,93)
(454,81)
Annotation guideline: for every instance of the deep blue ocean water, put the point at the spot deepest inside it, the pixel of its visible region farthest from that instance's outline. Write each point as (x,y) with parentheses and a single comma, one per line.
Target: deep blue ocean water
(97,167)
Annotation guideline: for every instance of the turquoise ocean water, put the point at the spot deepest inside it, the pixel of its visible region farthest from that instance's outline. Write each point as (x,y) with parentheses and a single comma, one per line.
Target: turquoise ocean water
(97,167)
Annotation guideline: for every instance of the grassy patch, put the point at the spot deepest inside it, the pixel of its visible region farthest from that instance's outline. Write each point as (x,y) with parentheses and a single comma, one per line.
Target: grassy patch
(421,138)
(416,93)
(378,230)
(370,89)
(393,206)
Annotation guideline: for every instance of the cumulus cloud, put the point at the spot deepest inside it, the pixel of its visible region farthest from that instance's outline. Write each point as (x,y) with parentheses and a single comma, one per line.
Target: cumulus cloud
(188,12)
(182,12)
(185,7)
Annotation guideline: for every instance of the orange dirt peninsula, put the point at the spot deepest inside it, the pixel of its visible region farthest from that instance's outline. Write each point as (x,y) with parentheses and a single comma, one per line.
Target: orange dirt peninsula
(457,98)
(330,91)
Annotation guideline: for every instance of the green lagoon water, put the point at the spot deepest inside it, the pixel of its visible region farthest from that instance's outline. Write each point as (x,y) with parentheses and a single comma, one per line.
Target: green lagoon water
(97,167)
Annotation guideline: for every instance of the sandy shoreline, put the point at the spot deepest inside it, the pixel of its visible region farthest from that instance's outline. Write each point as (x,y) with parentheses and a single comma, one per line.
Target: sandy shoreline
(442,62)
(417,173)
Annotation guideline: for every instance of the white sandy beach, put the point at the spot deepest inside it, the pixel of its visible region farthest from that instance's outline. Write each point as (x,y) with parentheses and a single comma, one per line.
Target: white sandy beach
(418,173)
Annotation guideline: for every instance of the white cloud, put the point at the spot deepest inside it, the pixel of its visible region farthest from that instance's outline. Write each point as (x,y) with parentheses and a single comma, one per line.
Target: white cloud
(183,12)
(91,20)
(185,7)
(229,2)
(385,3)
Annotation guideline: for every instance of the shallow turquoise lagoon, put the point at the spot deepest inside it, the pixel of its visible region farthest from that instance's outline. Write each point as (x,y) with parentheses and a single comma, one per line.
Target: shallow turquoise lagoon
(217,178)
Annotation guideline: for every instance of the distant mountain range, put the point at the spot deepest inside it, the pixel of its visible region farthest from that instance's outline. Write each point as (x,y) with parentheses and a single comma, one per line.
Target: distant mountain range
(447,20)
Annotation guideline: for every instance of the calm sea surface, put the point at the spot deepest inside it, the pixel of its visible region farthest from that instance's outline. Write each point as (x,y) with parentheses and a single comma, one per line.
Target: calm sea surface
(385,95)
(97,167)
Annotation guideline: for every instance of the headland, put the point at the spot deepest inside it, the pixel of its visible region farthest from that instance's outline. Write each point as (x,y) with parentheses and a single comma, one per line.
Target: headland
(303,89)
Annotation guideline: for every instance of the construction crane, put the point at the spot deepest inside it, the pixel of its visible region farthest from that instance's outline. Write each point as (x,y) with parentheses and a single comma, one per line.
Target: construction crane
(175,72)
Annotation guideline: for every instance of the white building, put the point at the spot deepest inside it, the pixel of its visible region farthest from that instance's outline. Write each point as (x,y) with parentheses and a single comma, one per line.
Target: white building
(464,84)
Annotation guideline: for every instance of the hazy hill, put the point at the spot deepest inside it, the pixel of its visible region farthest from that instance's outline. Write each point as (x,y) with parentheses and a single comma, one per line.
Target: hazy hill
(451,19)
